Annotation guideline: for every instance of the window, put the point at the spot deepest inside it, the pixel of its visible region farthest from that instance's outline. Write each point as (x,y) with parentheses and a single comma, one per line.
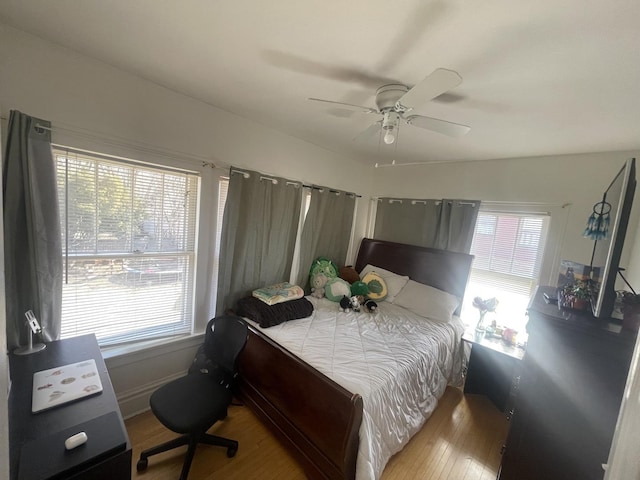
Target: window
(508,249)
(223,188)
(128,236)
(304,209)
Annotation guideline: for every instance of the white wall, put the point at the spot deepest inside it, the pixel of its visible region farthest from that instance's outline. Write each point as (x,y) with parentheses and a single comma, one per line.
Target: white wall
(97,107)
(76,92)
(69,89)
(578,180)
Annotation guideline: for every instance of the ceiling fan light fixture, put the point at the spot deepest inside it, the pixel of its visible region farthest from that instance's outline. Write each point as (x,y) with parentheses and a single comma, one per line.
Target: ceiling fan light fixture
(389,124)
(389,137)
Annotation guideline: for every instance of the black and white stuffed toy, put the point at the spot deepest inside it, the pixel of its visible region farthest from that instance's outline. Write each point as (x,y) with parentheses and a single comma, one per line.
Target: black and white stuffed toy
(355,303)
(345,304)
(370,305)
(352,303)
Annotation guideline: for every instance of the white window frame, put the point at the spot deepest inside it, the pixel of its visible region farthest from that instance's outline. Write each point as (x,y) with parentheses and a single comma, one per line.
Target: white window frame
(132,269)
(558,215)
(204,307)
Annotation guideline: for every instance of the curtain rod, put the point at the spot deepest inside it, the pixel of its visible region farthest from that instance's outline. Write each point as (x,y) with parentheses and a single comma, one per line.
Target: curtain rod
(173,154)
(424,202)
(331,190)
(295,184)
(205,162)
(119,142)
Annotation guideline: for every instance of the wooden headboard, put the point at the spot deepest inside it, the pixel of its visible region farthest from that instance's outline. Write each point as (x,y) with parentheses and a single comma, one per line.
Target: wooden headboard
(442,269)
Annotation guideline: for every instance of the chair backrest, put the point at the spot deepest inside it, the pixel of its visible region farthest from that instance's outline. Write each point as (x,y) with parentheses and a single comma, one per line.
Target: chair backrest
(225,338)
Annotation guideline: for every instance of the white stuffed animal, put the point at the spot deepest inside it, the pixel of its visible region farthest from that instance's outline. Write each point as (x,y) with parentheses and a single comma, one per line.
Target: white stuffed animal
(318,281)
(355,303)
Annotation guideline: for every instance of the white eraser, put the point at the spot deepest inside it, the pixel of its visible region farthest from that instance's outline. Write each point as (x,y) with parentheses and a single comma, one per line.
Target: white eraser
(75,440)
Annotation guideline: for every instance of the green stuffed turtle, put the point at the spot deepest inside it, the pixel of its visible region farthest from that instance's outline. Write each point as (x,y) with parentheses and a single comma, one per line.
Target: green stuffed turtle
(322,270)
(323,265)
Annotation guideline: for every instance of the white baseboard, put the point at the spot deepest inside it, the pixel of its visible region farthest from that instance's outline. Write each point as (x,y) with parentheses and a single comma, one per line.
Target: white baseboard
(136,401)
(138,372)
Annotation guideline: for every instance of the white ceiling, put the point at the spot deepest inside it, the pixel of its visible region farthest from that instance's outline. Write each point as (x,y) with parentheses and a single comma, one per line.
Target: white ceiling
(541,77)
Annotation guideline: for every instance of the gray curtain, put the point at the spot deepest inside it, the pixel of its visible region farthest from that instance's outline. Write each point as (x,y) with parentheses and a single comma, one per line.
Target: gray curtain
(259,231)
(457,224)
(327,229)
(446,224)
(407,220)
(32,239)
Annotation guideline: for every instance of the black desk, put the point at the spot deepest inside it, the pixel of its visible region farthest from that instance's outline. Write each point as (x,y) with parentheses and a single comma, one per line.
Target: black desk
(103,457)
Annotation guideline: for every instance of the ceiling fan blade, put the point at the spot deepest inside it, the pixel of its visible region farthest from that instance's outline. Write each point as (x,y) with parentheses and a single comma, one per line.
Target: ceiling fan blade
(348,105)
(441,126)
(439,81)
(368,132)
(305,66)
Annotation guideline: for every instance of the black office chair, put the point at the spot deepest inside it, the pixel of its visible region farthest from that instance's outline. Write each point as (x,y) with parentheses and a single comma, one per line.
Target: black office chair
(192,404)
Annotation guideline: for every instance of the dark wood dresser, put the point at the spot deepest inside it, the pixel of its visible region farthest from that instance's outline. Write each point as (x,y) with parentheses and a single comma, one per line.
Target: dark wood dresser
(572,381)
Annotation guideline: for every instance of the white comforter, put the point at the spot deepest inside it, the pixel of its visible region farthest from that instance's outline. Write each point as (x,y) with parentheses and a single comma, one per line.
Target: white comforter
(400,363)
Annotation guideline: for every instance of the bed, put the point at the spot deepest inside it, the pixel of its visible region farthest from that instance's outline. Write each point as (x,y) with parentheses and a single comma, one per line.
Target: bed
(315,416)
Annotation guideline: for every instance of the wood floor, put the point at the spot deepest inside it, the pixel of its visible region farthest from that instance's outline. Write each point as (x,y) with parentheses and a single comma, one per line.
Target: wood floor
(461,441)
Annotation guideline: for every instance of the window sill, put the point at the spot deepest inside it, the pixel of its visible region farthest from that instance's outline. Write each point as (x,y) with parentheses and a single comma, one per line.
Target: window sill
(122,355)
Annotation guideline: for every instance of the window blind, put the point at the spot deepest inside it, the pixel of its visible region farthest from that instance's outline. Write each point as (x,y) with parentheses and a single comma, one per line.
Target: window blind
(128,235)
(508,250)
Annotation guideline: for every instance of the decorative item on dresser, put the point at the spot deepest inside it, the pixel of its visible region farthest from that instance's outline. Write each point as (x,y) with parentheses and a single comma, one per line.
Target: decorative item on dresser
(572,382)
(630,309)
(484,306)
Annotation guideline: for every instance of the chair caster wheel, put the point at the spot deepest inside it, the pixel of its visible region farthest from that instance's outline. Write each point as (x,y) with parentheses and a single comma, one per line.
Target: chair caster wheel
(142,464)
(231,452)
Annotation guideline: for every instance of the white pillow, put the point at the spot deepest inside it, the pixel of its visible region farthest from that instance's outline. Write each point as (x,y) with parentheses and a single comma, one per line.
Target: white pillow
(394,281)
(428,302)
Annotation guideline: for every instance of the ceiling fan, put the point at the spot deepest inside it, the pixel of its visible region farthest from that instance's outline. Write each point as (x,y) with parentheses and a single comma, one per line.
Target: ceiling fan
(395,102)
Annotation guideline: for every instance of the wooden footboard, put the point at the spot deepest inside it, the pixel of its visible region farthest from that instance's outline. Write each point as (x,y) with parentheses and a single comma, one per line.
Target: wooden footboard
(313,416)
